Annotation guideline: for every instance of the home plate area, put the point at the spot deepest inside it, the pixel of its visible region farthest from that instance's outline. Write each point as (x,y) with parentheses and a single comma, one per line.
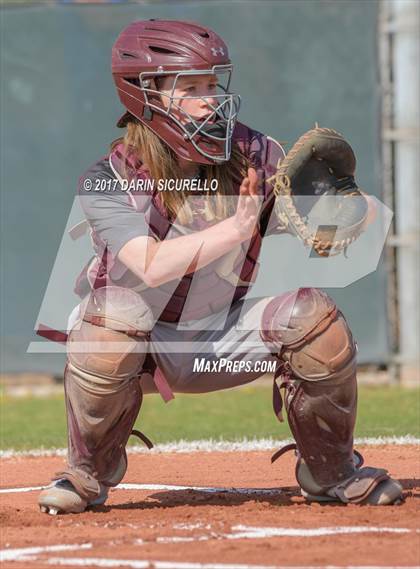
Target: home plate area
(209,509)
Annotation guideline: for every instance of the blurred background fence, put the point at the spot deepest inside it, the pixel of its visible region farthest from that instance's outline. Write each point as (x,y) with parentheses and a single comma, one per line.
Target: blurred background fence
(347,64)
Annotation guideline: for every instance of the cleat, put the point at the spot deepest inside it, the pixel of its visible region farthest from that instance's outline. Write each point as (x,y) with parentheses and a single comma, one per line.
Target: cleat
(387,492)
(61,497)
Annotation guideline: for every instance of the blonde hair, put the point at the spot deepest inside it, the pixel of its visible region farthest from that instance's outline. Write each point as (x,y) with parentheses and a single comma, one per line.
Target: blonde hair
(162,164)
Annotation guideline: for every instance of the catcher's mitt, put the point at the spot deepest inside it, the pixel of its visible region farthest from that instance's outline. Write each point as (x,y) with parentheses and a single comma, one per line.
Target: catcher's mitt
(317,198)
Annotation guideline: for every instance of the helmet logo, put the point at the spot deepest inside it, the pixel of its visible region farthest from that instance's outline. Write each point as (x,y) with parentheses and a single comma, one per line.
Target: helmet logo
(217,51)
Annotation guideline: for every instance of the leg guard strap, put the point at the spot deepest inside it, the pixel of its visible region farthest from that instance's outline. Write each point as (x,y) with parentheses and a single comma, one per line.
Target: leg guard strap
(359,486)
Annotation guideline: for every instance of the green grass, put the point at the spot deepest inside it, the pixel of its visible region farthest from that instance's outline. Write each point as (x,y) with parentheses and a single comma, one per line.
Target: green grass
(28,423)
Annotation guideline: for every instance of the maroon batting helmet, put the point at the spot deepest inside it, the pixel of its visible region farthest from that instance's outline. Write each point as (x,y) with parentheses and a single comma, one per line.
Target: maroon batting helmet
(150,49)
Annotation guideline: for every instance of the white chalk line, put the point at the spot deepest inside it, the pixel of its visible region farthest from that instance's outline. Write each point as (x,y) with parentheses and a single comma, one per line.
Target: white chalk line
(247,532)
(244,445)
(14,554)
(208,489)
(145,564)
(29,554)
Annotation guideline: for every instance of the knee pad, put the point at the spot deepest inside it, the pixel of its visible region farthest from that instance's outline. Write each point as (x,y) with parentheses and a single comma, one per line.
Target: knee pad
(309,333)
(110,344)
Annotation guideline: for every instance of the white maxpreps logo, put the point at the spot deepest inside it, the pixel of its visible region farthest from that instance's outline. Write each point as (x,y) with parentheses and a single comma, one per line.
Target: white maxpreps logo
(217,51)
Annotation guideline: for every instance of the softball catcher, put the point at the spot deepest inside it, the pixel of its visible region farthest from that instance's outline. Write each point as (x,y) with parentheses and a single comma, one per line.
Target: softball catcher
(174,272)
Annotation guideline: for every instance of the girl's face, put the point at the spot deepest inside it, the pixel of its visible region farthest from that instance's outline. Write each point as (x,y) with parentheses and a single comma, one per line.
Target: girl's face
(202,90)
(202,106)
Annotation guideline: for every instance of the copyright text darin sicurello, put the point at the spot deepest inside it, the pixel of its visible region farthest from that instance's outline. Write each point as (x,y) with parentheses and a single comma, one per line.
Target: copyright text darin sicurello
(140,185)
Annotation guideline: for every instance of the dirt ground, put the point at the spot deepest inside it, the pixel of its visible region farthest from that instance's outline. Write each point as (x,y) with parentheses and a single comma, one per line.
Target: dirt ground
(248,513)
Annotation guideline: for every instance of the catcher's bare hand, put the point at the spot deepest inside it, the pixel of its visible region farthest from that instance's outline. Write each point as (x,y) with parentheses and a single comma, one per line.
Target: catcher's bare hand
(245,218)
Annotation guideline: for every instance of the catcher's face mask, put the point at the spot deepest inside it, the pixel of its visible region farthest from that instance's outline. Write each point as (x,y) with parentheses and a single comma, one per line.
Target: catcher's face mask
(199,102)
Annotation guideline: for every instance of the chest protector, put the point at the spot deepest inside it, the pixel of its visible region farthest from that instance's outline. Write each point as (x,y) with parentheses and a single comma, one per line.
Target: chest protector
(211,288)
